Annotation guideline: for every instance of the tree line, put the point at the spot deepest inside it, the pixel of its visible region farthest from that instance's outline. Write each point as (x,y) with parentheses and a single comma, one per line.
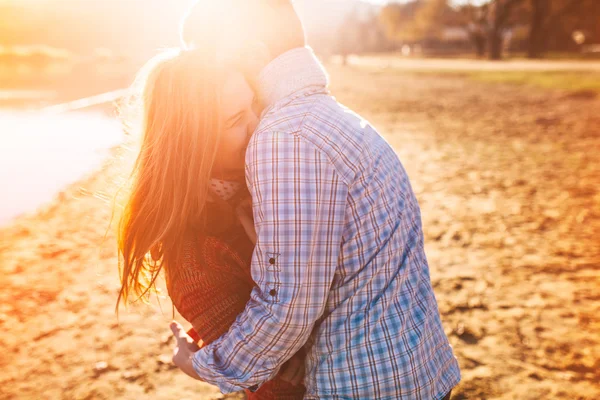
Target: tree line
(535,26)
(548,25)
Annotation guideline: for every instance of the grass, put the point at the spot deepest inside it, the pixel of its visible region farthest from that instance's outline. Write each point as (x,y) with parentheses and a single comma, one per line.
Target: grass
(572,75)
(574,81)
(563,80)
(556,55)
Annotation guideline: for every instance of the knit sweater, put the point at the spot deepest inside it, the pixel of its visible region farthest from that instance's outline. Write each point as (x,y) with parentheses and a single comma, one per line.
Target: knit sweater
(211,284)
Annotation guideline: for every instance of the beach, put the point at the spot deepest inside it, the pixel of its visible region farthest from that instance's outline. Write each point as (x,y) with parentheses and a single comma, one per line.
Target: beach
(511,214)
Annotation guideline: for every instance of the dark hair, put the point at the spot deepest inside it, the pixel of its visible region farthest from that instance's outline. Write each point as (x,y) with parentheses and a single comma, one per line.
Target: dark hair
(274,23)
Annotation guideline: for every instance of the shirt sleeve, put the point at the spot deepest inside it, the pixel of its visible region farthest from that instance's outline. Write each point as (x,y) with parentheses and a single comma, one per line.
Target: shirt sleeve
(299,204)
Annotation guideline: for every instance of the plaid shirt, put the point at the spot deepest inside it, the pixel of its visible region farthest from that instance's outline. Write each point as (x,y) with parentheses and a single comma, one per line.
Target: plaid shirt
(339,264)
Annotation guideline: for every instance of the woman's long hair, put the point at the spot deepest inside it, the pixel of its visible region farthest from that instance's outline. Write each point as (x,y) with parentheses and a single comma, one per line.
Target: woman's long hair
(180,130)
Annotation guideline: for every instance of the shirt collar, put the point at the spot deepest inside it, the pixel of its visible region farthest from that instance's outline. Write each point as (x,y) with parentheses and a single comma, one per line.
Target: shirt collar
(289,73)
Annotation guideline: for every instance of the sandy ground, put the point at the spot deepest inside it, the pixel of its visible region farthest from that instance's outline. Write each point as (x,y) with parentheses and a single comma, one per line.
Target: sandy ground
(508,180)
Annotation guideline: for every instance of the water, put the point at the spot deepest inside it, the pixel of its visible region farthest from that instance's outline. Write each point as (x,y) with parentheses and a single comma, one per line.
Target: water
(41,154)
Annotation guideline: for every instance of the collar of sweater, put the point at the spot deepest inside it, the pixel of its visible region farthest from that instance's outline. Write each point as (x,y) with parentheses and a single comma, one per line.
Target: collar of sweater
(224,190)
(289,73)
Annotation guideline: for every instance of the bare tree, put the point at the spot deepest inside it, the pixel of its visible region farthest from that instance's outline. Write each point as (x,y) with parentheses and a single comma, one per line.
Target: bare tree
(499,13)
(474,19)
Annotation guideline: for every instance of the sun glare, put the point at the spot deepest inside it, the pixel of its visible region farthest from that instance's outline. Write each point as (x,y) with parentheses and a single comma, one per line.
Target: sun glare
(489,252)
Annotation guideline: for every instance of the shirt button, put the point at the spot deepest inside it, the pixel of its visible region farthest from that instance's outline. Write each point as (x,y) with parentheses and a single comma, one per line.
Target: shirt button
(272,261)
(273,292)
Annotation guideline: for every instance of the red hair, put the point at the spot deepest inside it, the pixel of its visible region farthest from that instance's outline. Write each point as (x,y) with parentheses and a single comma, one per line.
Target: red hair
(169,183)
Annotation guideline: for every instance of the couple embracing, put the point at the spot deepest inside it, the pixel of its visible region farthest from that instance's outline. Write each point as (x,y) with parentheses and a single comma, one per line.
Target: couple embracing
(285,225)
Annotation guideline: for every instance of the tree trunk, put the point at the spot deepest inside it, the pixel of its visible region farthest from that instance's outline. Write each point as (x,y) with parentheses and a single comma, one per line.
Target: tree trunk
(495,44)
(496,12)
(499,15)
(479,41)
(539,12)
(477,34)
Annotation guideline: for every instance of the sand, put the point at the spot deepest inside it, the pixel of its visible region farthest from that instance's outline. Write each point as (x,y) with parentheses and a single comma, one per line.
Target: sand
(508,180)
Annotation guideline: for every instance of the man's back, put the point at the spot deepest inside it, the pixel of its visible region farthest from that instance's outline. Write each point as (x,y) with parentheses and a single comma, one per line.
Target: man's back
(338,264)
(380,334)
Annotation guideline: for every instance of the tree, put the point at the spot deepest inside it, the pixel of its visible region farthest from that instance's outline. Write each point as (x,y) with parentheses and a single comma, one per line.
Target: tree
(417,20)
(488,23)
(474,19)
(539,13)
(398,20)
(499,18)
(550,19)
(431,18)
(550,23)
(360,32)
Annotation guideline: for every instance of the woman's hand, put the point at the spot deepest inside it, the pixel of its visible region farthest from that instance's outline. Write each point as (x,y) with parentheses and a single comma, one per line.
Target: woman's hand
(184,350)
(244,213)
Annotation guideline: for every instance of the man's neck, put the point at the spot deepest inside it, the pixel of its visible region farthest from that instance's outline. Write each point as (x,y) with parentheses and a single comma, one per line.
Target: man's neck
(290,72)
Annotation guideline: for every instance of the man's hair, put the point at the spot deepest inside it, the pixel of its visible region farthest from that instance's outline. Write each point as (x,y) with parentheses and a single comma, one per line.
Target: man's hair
(273,23)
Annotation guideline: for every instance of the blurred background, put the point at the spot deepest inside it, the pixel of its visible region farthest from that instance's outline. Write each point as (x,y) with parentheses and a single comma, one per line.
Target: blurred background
(492,106)
(66,49)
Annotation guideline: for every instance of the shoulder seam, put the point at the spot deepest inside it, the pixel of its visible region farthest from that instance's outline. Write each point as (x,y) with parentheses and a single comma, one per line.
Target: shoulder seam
(315,146)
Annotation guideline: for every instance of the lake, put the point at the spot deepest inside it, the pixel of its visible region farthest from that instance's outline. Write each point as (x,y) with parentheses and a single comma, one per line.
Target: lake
(40,154)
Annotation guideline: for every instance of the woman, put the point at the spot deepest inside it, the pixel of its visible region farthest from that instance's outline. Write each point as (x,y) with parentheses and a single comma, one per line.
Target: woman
(188,212)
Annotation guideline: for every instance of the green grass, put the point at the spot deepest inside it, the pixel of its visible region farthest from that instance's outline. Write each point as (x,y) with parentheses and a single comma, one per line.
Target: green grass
(574,81)
(563,80)
(555,55)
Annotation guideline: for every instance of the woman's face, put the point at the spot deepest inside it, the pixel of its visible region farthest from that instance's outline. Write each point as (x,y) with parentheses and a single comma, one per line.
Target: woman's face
(239,123)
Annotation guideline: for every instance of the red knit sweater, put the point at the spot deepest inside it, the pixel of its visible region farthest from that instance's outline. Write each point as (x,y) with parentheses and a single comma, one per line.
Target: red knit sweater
(211,285)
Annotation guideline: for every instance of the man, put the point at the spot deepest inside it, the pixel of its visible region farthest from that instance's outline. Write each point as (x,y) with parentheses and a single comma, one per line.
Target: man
(339,261)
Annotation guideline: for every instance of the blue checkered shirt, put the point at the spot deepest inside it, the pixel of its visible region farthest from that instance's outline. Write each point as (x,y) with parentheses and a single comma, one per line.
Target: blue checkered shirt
(339,263)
